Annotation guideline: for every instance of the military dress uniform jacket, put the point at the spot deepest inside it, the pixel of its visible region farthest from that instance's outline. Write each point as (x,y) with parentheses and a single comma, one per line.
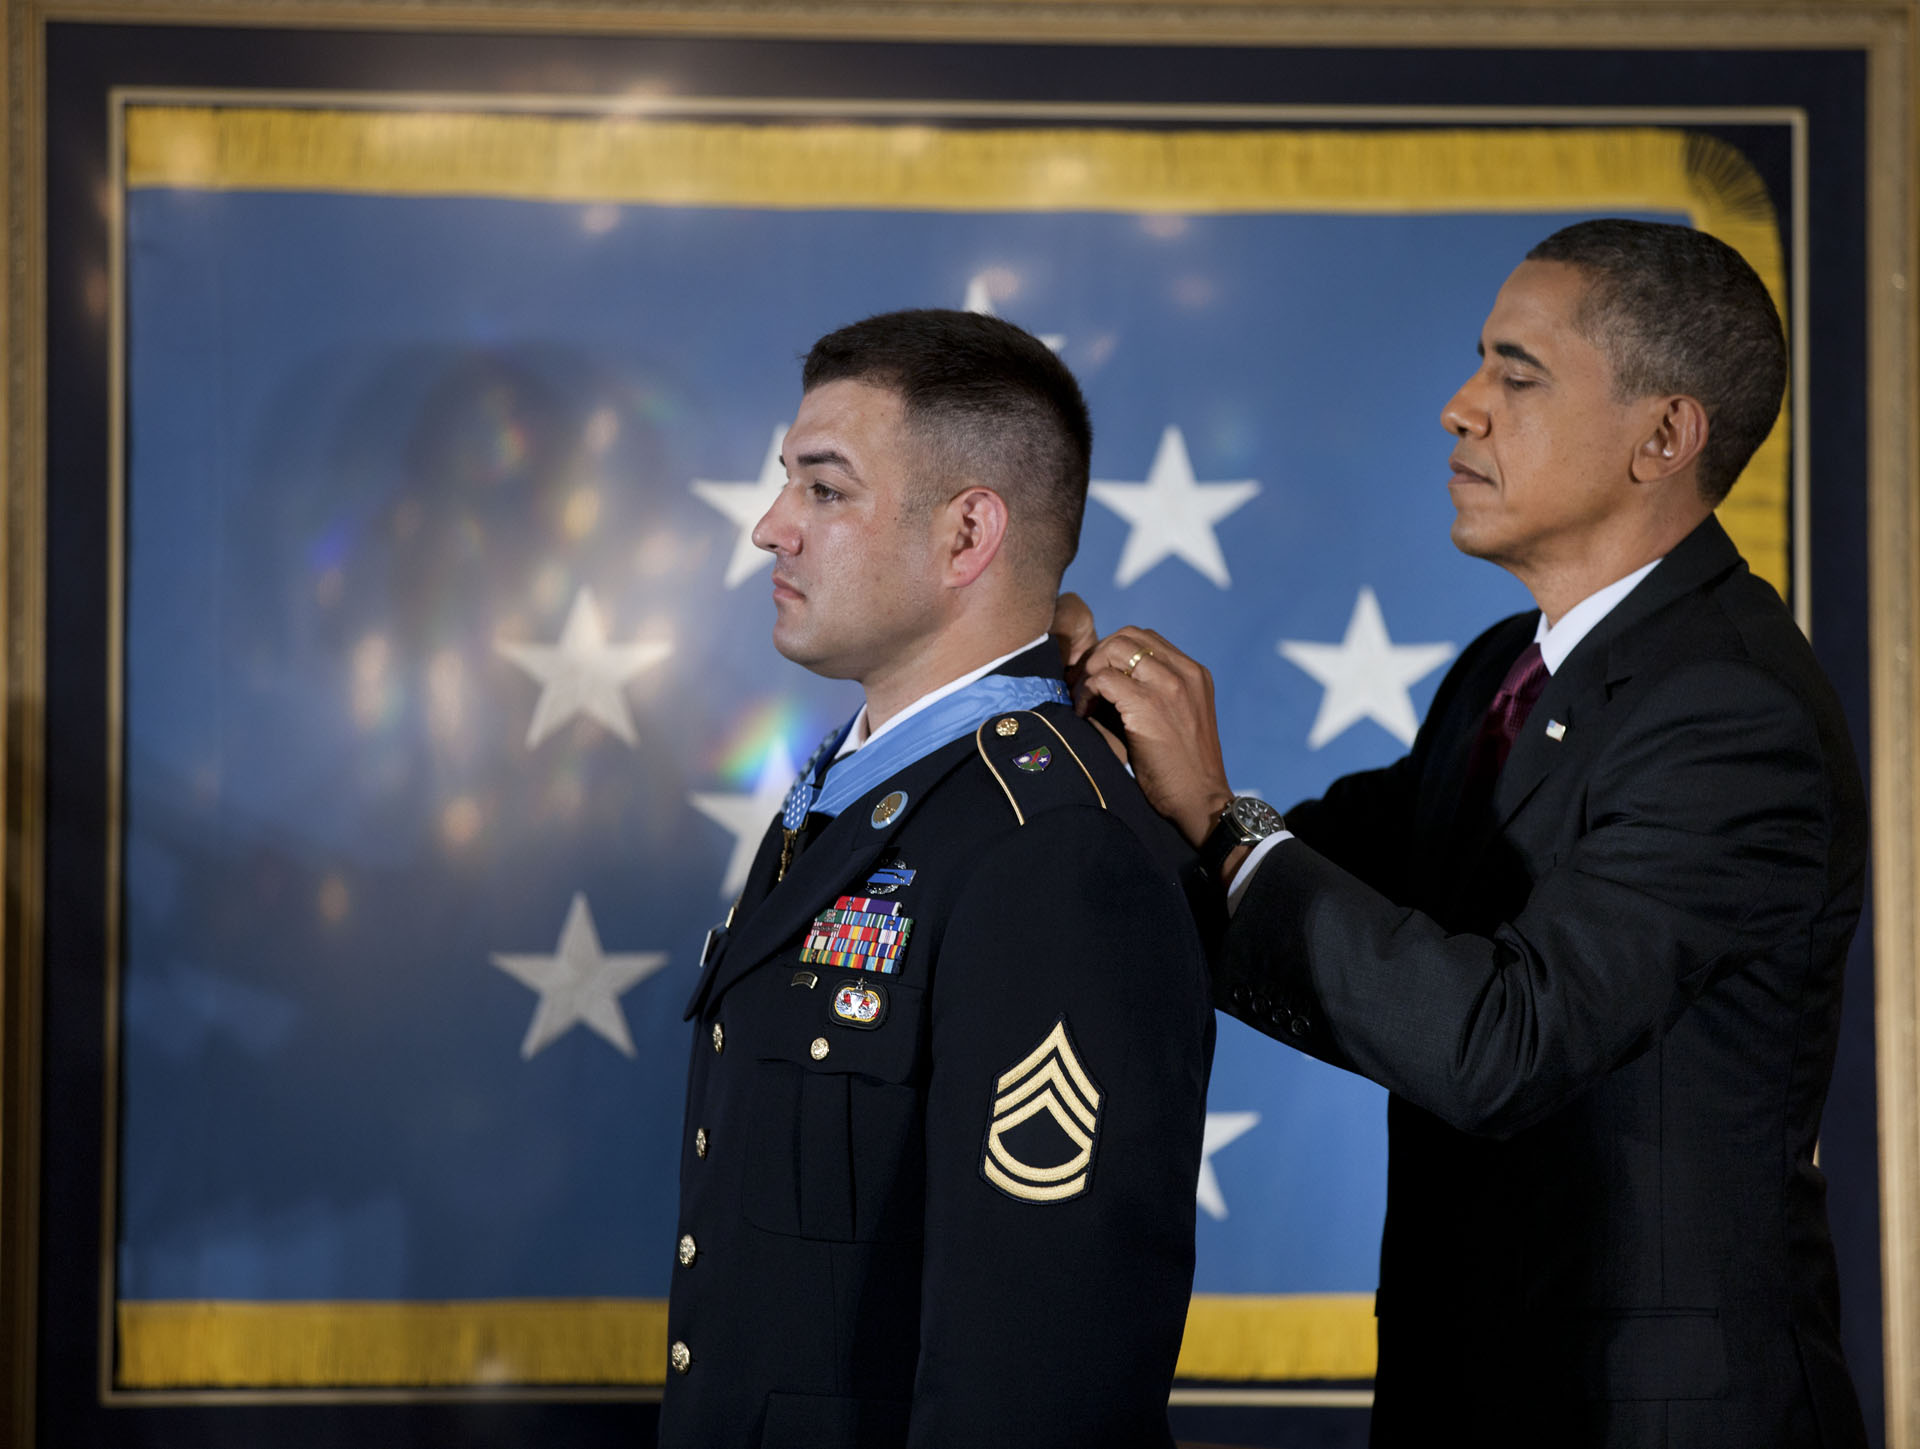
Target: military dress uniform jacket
(1606,1008)
(970,1221)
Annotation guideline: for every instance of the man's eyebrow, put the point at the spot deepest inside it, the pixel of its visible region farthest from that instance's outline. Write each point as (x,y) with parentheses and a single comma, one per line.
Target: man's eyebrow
(1514,352)
(827,459)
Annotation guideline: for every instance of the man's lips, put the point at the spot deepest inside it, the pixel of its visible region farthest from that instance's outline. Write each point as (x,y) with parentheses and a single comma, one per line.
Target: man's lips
(1463,474)
(784,588)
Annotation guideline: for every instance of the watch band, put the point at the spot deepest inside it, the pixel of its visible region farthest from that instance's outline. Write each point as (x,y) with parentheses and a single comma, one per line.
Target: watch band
(1231,831)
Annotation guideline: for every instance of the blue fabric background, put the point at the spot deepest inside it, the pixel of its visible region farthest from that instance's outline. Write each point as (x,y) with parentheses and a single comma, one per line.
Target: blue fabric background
(356,424)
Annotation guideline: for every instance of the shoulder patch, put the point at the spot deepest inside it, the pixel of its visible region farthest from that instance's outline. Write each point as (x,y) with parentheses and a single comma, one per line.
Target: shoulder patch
(1033,762)
(1049,1093)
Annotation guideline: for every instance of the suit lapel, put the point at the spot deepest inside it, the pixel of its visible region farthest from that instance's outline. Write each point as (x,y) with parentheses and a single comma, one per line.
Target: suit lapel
(1579,689)
(1574,697)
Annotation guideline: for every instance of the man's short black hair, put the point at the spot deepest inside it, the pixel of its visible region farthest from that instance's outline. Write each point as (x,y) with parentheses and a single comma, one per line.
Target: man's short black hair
(1678,311)
(993,405)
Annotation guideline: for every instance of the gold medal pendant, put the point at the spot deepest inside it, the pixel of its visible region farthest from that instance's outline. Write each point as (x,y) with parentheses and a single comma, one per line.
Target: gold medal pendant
(786,853)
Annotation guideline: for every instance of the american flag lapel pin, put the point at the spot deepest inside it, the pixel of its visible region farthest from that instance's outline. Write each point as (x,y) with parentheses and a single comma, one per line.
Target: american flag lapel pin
(1556,731)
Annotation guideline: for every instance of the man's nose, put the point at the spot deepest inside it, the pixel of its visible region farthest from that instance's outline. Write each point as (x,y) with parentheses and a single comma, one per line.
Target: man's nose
(775,532)
(1463,416)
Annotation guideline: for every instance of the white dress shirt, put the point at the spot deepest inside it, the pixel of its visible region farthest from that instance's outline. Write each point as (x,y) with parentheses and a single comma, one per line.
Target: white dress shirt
(860,735)
(1556,643)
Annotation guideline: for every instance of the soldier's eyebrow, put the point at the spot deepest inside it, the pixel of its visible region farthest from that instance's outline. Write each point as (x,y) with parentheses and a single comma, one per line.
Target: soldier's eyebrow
(1514,352)
(826,459)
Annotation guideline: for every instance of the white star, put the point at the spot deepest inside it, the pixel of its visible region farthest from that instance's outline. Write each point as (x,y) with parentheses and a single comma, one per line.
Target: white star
(747,815)
(1171,514)
(579,982)
(1222,1128)
(583,674)
(980,301)
(745,504)
(1366,675)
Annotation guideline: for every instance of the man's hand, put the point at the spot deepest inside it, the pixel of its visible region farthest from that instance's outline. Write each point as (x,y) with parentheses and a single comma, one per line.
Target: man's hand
(1165,703)
(1073,633)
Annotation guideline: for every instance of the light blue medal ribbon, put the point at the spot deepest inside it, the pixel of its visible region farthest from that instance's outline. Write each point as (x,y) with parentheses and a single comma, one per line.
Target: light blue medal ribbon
(806,785)
(940,723)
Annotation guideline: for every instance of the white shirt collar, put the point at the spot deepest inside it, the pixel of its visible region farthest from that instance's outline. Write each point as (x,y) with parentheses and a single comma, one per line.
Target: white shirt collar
(1579,621)
(858,735)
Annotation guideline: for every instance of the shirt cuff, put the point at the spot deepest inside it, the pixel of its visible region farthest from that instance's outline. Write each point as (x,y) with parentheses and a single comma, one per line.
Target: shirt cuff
(1243,877)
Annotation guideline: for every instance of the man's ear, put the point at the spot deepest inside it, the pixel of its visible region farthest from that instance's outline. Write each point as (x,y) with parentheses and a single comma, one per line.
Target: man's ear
(977,527)
(1673,445)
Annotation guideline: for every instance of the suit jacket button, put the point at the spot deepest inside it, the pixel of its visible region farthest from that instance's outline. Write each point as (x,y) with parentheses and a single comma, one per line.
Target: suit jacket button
(1239,995)
(719,1038)
(680,1356)
(1261,1006)
(1298,1024)
(699,1142)
(688,1250)
(819,1048)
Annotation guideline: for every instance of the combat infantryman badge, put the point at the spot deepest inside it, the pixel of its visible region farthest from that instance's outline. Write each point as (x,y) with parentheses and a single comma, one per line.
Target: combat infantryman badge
(889,875)
(1049,1080)
(860,1003)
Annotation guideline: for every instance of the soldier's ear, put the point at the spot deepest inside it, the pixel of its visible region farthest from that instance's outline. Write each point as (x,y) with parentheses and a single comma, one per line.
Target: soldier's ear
(975,525)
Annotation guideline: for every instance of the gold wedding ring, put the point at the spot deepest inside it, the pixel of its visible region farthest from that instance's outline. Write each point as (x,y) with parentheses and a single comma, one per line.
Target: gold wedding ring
(1134,663)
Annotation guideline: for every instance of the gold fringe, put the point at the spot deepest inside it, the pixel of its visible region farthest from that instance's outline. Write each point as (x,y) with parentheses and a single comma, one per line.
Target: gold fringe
(231,1345)
(227,1345)
(1299,1336)
(626,159)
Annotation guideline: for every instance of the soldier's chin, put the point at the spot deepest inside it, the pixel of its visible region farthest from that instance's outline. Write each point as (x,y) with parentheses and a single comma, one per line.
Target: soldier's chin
(797,648)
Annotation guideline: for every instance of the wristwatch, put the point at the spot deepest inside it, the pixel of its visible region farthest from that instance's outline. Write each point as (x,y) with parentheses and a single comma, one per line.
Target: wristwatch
(1245,821)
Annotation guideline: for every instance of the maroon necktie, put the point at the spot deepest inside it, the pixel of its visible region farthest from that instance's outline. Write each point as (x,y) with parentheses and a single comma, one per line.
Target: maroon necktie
(1500,726)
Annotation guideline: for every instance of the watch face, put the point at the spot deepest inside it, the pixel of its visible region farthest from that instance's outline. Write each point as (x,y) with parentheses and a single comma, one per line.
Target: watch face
(1256,817)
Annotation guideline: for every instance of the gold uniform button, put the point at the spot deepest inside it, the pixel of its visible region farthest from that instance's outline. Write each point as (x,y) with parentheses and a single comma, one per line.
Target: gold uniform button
(1007,728)
(688,1250)
(699,1142)
(820,1048)
(680,1356)
(719,1037)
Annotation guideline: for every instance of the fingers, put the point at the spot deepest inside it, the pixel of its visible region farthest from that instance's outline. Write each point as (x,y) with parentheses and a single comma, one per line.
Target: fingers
(1141,655)
(1164,700)
(1073,629)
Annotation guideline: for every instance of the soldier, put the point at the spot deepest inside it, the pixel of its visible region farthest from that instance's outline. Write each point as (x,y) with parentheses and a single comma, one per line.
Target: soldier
(950,1056)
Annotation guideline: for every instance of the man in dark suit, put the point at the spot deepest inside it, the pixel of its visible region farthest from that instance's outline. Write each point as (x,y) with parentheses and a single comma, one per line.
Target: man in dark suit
(950,1056)
(1590,932)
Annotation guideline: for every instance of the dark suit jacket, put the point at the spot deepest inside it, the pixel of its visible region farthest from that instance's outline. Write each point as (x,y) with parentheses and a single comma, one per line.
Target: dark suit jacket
(857,1277)
(1606,1009)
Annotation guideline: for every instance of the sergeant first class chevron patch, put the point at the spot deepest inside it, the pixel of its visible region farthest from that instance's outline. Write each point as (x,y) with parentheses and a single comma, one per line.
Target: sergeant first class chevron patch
(1048,1080)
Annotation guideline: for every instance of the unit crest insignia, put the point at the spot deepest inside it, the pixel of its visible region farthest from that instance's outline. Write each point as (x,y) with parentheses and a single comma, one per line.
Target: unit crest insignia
(1050,1080)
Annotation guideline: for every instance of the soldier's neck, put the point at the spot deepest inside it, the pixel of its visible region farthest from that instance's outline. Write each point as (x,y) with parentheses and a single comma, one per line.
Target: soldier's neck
(952,655)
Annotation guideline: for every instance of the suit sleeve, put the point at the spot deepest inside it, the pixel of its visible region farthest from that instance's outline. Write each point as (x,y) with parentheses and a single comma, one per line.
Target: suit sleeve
(1363,823)
(1055,1287)
(1707,839)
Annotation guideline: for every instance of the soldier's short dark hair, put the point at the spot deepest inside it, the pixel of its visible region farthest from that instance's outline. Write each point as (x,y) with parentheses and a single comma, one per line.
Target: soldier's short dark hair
(1678,311)
(994,406)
